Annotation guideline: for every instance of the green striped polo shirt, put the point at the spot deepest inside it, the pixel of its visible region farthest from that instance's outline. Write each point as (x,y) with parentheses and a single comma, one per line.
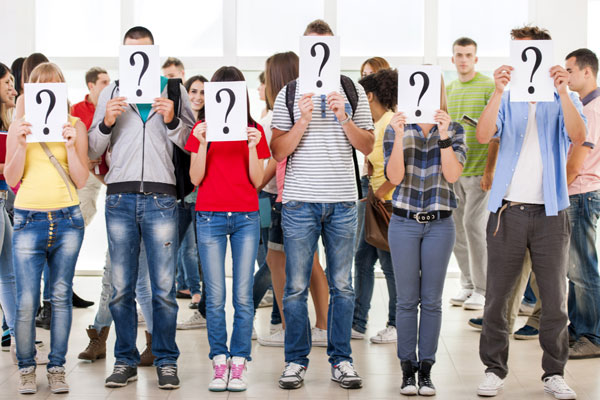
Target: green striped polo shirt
(470,98)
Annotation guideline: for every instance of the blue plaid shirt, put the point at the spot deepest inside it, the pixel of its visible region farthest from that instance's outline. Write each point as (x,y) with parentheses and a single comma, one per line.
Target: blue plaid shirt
(424,187)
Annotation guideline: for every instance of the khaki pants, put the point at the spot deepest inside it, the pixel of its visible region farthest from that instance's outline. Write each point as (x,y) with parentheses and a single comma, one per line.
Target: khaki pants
(87,198)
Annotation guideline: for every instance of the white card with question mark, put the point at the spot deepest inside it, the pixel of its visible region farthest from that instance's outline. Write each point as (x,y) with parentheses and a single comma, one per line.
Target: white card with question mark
(226,111)
(139,73)
(319,64)
(530,80)
(419,89)
(46,111)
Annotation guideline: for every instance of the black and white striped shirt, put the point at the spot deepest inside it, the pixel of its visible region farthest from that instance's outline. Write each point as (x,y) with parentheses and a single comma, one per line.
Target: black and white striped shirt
(321,169)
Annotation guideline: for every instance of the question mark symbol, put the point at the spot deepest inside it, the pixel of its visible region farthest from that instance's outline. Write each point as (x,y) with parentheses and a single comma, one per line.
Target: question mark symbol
(412,82)
(229,107)
(38,99)
(144,67)
(538,61)
(326,52)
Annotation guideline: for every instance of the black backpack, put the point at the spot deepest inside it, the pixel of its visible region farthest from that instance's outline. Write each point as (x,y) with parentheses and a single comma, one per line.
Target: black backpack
(351,95)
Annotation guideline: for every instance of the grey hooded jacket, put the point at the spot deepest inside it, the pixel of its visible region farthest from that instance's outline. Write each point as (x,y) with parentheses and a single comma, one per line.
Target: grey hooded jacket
(141,153)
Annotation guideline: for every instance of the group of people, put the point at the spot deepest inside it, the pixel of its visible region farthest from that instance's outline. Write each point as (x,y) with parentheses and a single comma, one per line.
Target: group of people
(529,170)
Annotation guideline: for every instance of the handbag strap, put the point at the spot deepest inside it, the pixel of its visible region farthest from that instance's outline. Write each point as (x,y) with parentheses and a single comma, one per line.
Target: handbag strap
(61,171)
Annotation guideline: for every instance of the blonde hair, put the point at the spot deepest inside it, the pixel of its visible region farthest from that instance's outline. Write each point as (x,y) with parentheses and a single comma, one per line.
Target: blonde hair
(46,73)
(376,63)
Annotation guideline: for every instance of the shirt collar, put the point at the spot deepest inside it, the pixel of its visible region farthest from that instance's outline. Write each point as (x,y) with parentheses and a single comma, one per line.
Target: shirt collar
(587,99)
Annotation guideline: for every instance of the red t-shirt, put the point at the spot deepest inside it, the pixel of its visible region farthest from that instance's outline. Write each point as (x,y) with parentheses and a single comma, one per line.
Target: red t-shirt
(226,185)
(84,110)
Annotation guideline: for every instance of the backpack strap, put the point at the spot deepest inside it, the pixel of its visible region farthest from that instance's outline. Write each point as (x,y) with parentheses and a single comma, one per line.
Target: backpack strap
(290,97)
(350,91)
(174,94)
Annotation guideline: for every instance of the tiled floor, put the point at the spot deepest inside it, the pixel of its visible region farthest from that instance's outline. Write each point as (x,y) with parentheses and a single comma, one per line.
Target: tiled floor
(456,374)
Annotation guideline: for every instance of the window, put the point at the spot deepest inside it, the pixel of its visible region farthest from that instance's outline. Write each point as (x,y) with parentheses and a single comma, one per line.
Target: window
(593,26)
(264,27)
(64,28)
(481,20)
(381,27)
(183,28)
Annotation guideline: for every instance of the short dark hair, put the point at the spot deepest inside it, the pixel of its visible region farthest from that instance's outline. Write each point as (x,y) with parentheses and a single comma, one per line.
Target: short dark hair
(173,61)
(319,27)
(92,75)
(585,58)
(261,78)
(138,32)
(530,31)
(464,41)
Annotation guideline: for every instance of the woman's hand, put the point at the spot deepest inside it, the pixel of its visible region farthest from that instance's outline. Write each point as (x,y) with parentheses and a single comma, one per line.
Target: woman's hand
(443,120)
(20,129)
(199,133)
(70,135)
(398,122)
(253,137)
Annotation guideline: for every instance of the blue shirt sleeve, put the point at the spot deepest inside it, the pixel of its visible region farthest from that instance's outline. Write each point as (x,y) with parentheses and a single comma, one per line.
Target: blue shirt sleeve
(501,116)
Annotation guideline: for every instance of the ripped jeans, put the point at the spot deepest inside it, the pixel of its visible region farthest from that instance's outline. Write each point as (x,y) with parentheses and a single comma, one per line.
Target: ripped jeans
(131,217)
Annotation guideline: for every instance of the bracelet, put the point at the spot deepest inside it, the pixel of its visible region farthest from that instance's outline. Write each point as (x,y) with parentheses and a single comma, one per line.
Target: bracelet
(445,143)
(345,121)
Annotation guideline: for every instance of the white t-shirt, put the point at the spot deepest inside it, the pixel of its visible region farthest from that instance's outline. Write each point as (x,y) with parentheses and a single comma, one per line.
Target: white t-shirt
(265,122)
(321,169)
(526,185)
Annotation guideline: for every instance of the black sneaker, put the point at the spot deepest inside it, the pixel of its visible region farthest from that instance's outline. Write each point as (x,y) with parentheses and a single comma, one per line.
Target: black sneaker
(121,376)
(45,317)
(167,377)
(409,383)
(426,387)
(6,339)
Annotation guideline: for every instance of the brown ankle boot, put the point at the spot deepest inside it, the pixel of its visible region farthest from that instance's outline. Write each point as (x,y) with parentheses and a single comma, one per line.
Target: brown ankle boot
(97,347)
(147,358)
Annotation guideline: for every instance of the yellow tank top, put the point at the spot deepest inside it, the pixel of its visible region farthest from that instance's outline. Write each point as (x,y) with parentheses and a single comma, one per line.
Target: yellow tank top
(42,187)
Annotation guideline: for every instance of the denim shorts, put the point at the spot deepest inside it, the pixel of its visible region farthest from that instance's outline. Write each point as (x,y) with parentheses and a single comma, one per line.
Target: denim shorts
(275,232)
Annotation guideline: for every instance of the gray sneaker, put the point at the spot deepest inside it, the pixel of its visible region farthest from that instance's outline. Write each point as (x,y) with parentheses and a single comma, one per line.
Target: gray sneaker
(584,348)
(56,380)
(27,382)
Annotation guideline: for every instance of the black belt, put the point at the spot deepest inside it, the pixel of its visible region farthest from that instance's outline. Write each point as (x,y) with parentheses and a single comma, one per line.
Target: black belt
(422,217)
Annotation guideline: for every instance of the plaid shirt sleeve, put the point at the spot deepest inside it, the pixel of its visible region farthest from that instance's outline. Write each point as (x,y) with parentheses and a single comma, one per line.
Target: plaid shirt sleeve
(458,142)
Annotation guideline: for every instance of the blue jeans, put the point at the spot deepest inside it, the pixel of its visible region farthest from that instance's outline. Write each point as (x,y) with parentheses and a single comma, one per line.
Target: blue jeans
(243,229)
(131,218)
(8,289)
(303,223)
(54,237)
(188,272)
(420,255)
(584,279)
(143,293)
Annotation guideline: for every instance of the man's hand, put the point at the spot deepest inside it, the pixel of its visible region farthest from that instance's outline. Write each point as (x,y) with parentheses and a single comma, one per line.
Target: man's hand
(502,77)
(486,181)
(561,78)
(306,106)
(337,104)
(165,108)
(114,108)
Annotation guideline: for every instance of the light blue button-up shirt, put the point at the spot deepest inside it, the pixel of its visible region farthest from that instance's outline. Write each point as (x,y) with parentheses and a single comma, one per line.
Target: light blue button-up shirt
(554,145)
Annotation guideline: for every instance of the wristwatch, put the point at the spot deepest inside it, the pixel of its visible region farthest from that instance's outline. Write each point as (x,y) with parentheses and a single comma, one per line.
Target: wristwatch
(445,143)
(345,121)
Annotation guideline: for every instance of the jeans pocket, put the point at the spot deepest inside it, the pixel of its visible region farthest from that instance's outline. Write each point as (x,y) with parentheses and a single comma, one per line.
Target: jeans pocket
(293,205)
(349,204)
(112,200)
(76,219)
(164,201)
(252,216)
(203,217)
(19,222)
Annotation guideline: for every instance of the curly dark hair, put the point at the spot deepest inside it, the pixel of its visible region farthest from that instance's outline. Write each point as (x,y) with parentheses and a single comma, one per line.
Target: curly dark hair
(530,31)
(384,86)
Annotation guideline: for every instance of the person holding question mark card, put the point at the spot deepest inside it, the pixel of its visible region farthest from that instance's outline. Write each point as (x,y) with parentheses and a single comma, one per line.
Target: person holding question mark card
(227,175)
(424,160)
(48,228)
(141,205)
(528,204)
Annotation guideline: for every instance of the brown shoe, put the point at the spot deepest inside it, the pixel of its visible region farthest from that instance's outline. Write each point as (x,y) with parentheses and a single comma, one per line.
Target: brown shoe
(147,358)
(97,347)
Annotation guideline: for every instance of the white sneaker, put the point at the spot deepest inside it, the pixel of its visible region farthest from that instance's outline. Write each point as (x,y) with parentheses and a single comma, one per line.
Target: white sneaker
(319,337)
(267,300)
(490,385)
(387,335)
(475,302)
(556,386)
(196,321)
(27,382)
(220,374)
(56,380)
(237,372)
(345,374)
(141,319)
(461,297)
(277,339)
(292,376)
(41,354)
(357,335)
(275,327)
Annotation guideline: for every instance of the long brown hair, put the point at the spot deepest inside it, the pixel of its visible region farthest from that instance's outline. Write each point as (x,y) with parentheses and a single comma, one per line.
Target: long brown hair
(232,74)
(280,69)
(30,63)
